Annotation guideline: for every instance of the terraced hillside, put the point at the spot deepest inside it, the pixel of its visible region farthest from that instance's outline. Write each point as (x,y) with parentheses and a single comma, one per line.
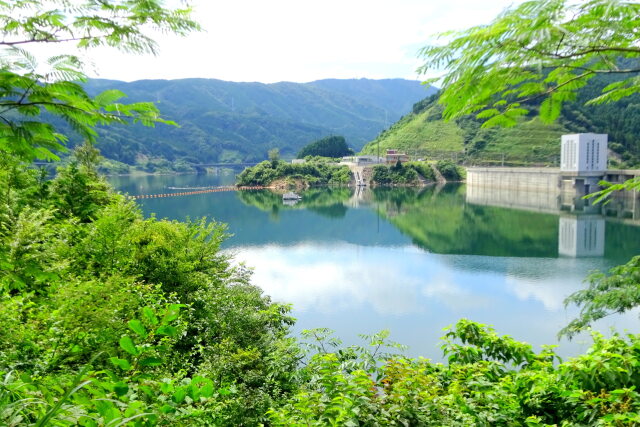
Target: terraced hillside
(423,133)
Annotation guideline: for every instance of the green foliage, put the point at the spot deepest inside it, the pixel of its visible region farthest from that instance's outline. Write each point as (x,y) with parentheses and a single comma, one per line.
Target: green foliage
(423,129)
(616,292)
(425,134)
(99,304)
(424,169)
(489,380)
(126,391)
(330,146)
(274,156)
(78,192)
(309,173)
(450,171)
(396,174)
(539,62)
(538,50)
(27,92)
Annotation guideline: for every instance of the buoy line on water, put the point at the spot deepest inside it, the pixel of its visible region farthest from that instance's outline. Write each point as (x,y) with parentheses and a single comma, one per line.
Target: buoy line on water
(191,188)
(190,193)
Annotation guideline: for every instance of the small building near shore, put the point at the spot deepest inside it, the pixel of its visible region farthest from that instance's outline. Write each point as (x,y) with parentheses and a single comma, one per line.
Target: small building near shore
(394,156)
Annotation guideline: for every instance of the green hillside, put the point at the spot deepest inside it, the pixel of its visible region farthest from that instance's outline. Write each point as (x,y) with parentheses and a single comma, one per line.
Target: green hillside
(224,121)
(421,130)
(423,133)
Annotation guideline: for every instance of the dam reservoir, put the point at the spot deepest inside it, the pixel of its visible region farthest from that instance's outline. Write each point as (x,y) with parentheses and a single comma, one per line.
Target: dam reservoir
(415,260)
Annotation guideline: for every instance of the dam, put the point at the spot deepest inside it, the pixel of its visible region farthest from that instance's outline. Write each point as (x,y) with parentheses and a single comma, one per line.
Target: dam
(583,166)
(561,191)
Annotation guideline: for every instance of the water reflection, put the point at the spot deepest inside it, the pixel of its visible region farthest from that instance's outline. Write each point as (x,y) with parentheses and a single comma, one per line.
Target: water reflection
(417,260)
(581,222)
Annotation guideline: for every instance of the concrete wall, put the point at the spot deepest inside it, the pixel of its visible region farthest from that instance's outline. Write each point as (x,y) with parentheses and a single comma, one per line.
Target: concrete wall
(515,179)
(540,201)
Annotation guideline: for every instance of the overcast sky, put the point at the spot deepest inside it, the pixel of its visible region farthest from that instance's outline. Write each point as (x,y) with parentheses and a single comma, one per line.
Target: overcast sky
(300,41)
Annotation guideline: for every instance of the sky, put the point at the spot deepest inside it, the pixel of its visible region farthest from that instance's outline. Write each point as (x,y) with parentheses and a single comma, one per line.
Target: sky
(300,41)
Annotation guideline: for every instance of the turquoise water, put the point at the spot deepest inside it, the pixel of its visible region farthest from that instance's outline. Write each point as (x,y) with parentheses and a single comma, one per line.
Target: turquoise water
(409,260)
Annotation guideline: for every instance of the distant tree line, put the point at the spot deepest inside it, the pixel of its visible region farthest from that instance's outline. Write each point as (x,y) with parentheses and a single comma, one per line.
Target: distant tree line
(331,146)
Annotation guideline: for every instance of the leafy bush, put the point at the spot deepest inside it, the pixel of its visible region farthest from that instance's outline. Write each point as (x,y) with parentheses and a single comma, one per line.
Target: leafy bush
(396,174)
(423,168)
(449,170)
(83,274)
(488,380)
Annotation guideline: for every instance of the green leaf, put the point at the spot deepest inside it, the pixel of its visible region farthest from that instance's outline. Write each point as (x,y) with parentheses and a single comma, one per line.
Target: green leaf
(166,409)
(147,390)
(121,363)
(109,97)
(179,395)
(126,343)
(150,315)
(136,326)
(120,388)
(167,330)
(150,361)
(206,390)
(485,114)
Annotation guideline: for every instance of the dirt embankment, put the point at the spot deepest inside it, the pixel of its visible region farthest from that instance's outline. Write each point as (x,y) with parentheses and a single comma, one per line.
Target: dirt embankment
(285,184)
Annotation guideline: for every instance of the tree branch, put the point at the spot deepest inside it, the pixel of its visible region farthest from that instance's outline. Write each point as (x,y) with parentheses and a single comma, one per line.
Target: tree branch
(47,40)
(555,88)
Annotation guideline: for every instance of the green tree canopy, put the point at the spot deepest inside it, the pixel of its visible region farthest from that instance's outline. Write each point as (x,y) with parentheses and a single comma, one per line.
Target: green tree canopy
(330,146)
(29,88)
(541,50)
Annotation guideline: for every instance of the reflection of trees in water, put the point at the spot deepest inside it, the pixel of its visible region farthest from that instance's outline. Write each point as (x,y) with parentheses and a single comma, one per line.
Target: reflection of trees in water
(328,201)
(439,220)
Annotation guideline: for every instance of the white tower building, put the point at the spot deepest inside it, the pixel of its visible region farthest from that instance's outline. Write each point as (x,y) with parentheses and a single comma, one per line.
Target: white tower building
(584,153)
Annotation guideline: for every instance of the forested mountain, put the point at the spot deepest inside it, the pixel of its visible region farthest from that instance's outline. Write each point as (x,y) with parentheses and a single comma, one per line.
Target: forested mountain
(224,121)
(424,132)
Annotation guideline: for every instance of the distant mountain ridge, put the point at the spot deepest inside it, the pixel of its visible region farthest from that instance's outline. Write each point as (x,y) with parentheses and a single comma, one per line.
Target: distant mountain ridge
(224,121)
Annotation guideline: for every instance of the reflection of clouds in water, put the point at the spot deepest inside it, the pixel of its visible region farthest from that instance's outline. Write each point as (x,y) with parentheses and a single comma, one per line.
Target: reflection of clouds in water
(354,289)
(530,268)
(550,292)
(549,281)
(444,290)
(332,279)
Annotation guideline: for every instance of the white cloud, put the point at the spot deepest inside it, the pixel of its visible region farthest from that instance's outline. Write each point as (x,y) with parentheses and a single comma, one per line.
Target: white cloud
(250,40)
